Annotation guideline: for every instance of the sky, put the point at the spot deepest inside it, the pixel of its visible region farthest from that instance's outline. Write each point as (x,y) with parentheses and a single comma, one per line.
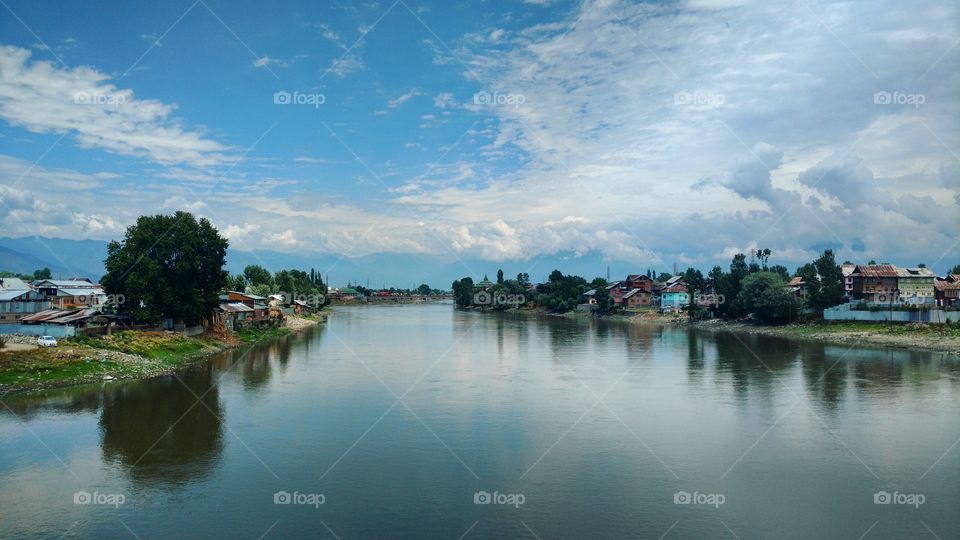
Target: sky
(656,133)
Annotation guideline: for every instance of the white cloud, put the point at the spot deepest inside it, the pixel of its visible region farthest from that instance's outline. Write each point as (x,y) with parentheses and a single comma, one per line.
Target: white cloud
(403,98)
(44,98)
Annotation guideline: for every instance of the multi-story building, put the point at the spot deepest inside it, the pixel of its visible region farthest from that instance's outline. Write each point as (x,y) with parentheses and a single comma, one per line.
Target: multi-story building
(874,283)
(916,285)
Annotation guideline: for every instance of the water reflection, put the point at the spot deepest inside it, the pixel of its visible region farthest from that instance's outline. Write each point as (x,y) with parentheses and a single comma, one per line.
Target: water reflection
(166,430)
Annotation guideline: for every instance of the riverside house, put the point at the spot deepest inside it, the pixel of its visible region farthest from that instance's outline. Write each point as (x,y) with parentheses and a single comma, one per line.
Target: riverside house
(916,286)
(947,290)
(885,284)
(18,300)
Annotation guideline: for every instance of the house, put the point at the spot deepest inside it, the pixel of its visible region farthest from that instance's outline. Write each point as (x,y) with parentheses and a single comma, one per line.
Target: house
(236,315)
(344,294)
(259,304)
(616,293)
(75,317)
(638,281)
(798,287)
(874,283)
(589,297)
(636,297)
(72,293)
(947,290)
(916,286)
(17,300)
(847,270)
(673,294)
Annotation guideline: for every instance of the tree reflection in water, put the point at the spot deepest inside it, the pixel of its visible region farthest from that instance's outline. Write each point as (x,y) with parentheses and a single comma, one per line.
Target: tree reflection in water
(160,431)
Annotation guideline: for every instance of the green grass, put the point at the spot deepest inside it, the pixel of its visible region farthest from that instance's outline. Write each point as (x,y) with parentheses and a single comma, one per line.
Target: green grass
(40,371)
(895,329)
(169,348)
(251,335)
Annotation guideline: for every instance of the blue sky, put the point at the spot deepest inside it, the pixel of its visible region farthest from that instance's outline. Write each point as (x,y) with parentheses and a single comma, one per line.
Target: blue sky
(655,133)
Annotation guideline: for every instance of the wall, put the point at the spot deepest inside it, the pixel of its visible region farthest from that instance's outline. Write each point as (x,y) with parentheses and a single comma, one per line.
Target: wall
(55,330)
(930,316)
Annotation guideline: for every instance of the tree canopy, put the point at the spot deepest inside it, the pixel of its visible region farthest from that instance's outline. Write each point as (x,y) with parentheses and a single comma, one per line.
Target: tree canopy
(167,267)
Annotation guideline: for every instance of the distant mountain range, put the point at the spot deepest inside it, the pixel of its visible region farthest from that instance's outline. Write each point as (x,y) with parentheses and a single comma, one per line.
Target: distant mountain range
(84,258)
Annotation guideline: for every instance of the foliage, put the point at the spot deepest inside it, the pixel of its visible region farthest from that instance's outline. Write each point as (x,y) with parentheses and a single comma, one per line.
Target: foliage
(955,269)
(604,301)
(257,275)
(167,267)
(424,289)
(561,293)
(237,283)
(463,292)
(765,295)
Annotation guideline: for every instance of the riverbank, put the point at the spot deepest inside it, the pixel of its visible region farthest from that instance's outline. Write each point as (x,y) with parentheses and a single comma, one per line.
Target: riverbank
(925,337)
(124,355)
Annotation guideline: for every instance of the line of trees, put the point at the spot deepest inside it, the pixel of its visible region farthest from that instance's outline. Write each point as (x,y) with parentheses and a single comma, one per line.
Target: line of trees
(753,287)
(42,273)
(293,284)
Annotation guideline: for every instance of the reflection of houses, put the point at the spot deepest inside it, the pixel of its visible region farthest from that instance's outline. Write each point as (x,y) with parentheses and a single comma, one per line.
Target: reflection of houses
(69,293)
(17,300)
(947,290)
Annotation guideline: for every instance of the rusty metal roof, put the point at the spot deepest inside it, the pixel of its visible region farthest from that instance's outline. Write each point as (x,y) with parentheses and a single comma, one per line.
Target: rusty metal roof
(875,270)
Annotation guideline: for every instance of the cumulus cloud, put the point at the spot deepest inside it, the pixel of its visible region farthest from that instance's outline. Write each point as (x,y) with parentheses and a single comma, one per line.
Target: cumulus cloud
(44,98)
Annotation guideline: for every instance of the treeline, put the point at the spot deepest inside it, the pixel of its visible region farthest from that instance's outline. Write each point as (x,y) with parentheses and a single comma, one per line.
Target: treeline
(502,295)
(42,273)
(422,289)
(292,284)
(753,288)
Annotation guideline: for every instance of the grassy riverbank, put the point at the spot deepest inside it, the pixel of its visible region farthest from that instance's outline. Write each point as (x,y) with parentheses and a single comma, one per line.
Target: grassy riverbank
(930,337)
(122,355)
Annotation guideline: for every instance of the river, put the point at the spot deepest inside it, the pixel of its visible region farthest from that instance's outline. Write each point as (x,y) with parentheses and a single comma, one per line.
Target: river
(426,422)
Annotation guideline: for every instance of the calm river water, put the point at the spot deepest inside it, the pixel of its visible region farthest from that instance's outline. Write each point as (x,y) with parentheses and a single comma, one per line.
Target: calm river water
(425,422)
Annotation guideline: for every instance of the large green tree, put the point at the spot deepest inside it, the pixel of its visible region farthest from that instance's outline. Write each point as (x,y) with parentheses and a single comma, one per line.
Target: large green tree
(167,267)
(767,297)
(257,275)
